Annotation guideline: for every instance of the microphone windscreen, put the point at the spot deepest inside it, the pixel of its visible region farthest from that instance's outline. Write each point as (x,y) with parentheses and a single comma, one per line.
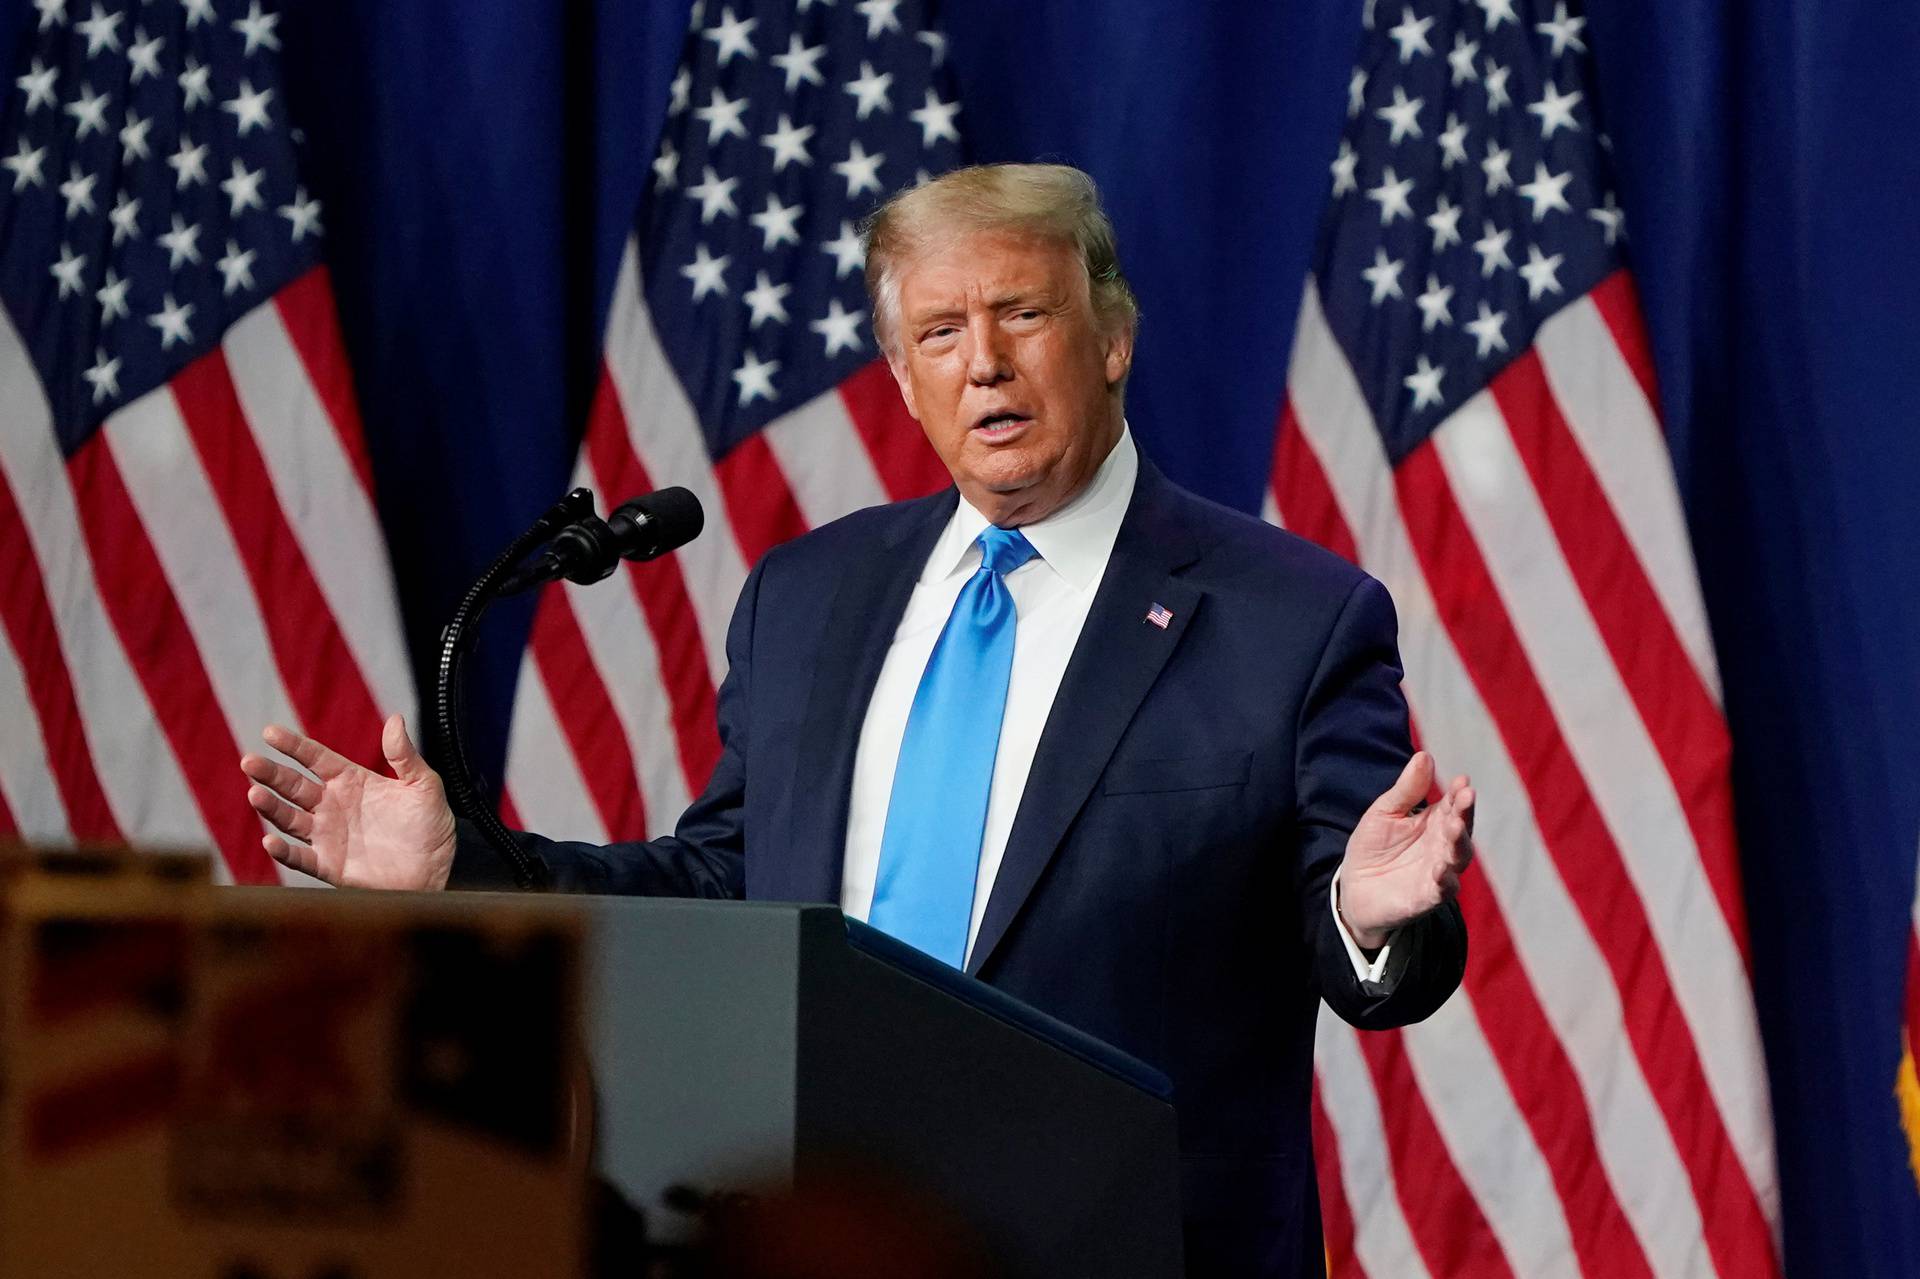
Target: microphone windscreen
(673,518)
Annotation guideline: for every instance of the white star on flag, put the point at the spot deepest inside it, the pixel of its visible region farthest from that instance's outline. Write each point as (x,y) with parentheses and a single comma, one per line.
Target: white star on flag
(862,171)
(182,243)
(800,62)
(848,253)
(89,111)
(248,108)
(101,31)
(1435,304)
(732,36)
(1555,110)
(715,194)
(171,320)
(766,300)
(754,377)
(143,56)
(258,27)
(103,377)
(77,191)
(189,163)
(112,297)
(1563,30)
(195,82)
(1444,222)
(38,84)
(840,327)
(1391,195)
(777,222)
(125,218)
(1485,328)
(936,120)
(1403,116)
(1492,248)
(1384,276)
(788,143)
(1547,192)
(722,115)
(1411,35)
(1424,382)
(303,215)
(243,188)
(880,15)
(870,91)
(1541,272)
(707,272)
(67,271)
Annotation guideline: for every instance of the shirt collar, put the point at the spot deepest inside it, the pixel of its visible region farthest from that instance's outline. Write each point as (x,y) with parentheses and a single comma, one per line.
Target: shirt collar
(1076,540)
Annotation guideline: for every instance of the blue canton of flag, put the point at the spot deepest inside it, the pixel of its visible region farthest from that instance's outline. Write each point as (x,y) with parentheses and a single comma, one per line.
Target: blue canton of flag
(1470,202)
(788,124)
(149,197)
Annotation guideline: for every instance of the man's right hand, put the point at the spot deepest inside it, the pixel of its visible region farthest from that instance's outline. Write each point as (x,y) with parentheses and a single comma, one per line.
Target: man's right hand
(354,828)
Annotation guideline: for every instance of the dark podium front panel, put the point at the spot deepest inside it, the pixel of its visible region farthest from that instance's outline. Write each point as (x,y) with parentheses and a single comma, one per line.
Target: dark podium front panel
(741,1045)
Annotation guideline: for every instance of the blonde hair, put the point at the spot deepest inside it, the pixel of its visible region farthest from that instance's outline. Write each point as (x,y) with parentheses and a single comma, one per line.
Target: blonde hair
(1052,201)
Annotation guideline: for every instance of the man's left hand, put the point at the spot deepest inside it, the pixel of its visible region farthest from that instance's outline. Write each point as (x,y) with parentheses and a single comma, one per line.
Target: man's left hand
(1404,859)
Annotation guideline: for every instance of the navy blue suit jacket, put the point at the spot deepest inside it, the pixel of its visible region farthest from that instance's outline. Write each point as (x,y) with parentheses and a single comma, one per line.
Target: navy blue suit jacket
(1165,883)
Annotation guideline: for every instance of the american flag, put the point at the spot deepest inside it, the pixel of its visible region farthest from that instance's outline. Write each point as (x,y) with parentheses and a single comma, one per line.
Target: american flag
(1471,415)
(739,361)
(186,507)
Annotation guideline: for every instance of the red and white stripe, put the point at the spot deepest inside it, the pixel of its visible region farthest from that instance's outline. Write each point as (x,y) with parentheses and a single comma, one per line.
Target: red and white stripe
(1594,1101)
(207,562)
(613,723)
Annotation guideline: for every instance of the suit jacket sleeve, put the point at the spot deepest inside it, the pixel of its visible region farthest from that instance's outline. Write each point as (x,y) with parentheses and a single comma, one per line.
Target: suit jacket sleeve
(1353,741)
(706,854)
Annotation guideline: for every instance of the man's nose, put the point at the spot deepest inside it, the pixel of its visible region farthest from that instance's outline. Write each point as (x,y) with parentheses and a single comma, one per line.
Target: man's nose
(988,361)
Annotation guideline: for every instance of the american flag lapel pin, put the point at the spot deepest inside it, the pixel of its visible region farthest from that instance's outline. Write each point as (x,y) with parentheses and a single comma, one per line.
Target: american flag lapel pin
(1160,615)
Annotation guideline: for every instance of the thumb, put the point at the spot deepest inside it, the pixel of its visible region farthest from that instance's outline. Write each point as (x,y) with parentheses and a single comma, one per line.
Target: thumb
(1415,780)
(402,756)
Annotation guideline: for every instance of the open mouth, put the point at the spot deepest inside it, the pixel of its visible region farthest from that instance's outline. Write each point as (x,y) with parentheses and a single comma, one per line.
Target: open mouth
(1001,426)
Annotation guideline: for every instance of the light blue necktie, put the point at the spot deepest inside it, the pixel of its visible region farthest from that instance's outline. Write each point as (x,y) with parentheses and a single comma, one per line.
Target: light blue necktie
(937,814)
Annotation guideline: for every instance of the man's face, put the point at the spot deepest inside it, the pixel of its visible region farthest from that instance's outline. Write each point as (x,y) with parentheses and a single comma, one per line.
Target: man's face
(1005,366)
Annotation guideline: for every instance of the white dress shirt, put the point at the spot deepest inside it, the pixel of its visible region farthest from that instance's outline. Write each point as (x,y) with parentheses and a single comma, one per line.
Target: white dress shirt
(1052,593)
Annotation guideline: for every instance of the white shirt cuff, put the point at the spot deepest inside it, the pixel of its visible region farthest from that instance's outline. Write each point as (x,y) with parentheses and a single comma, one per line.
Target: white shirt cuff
(1362,968)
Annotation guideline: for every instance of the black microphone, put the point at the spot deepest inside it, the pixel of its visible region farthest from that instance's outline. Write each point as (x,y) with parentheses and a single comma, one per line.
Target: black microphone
(641,528)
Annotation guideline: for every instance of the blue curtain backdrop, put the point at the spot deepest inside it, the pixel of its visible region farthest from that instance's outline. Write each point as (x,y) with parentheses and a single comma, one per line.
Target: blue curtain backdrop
(478,161)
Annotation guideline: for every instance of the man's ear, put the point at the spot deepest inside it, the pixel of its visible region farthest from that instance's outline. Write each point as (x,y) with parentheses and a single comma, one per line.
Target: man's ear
(1119,355)
(897,365)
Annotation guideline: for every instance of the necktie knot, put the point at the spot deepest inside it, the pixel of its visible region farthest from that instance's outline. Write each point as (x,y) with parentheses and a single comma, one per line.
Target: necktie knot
(1003,550)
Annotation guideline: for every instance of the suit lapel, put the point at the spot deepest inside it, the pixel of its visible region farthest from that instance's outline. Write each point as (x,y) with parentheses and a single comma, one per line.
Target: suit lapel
(1119,655)
(866,610)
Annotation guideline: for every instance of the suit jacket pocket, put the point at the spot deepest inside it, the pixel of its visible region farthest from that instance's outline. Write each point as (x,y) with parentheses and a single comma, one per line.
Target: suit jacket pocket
(1194,772)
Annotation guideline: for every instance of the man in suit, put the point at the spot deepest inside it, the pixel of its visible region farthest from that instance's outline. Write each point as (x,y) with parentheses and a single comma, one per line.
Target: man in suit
(1138,760)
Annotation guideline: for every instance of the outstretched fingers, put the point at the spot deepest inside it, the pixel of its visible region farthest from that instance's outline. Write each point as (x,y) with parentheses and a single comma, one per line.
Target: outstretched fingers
(294,821)
(295,855)
(290,783)
(319,759)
